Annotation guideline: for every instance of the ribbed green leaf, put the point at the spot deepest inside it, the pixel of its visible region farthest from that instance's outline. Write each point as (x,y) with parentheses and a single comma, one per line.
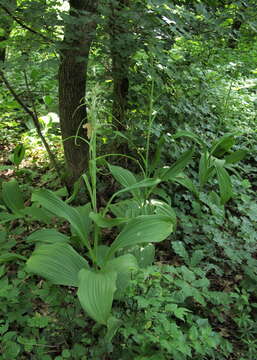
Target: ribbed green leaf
(122,265)
(224,182)
(18,154)
(140,184)
(190,135)
(124,177)
(12,196)
(104,222)
(235,156)
(59,263)
(38,213)
(101,252)
(206,169)
(171,172)
(7,257)
(5,217)
(144,254)
(113,325)
(129,208)
(222,145)
(162,208)
(53,203)
(95,293)
(157,156)
(48,236)
(143,229)
(184,180)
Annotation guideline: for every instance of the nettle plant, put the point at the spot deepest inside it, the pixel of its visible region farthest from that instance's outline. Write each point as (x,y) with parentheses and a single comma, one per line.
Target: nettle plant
(102,272)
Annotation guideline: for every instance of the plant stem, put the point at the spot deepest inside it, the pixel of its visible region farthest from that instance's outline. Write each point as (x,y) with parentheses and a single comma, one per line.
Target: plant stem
(150,123)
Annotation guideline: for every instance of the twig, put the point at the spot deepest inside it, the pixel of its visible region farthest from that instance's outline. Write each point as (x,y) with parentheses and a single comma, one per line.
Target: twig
(24,25)
(36,122)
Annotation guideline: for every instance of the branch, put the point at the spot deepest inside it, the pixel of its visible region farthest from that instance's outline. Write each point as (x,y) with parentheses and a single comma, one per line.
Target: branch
(35,120)
(24,25)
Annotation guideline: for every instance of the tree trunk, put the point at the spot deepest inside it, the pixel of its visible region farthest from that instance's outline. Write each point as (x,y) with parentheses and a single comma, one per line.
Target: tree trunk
(235,27)
(120,54)
(6,23)
(78,36)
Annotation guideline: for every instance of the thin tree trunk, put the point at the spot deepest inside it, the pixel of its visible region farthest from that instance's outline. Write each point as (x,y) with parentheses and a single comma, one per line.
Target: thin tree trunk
(120,54)
(79,34)
(6,23)
(235,27)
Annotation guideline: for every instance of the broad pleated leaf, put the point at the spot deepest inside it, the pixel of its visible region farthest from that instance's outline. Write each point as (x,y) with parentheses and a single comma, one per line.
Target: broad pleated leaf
(143,229)
(5,217)
(38,213)
(224,182)
(12,196)
(162,208)
(48,236)
(189,135)
(101,253)
(95,293)
(59,263)
(184,180)
(157,156)
(129,208)
(222,145)
(124,177)
(18,154)
(59,208)
(206,169)
(113,325)
(235,156)
(122,265)
(7,257)
(144,254)
(84,212)
(105,222)
(171,172)
(140,184)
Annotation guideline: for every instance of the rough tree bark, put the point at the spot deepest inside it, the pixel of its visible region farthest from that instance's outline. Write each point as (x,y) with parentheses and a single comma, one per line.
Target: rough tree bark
(236,26)
(78,36)
(6,23)
(120,54)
